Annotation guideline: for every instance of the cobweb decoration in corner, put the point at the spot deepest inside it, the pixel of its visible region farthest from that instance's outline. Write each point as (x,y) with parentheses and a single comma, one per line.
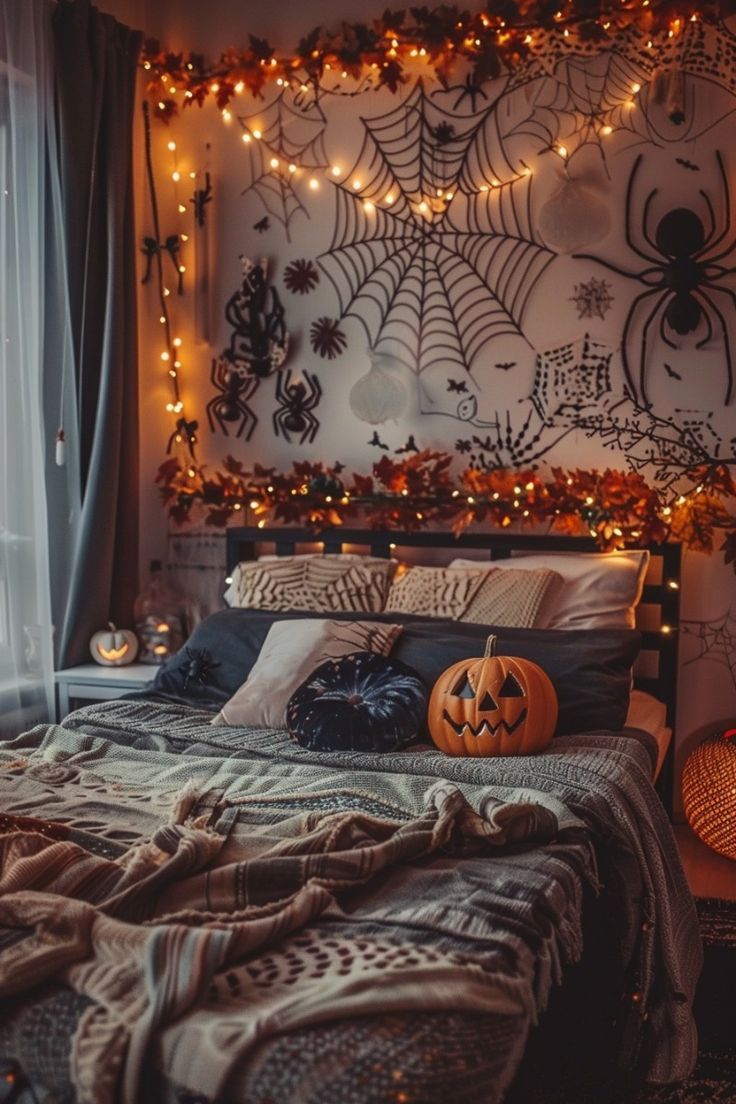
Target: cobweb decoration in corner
(571,379)
(716,640)
(431,272)
(285,136)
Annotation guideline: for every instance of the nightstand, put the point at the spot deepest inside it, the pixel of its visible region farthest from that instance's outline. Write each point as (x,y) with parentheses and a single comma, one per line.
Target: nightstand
(92,682)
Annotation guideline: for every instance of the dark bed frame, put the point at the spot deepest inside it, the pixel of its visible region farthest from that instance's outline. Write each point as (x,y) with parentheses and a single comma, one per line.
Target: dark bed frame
(661,599)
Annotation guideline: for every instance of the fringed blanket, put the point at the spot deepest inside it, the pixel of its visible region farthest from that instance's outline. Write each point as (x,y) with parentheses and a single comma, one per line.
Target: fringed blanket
(203,890)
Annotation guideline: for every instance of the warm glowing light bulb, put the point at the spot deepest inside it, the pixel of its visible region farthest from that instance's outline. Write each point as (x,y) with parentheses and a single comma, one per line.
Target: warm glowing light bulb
(635,88)
(226,116)
(171,146)
(292,167)
(162,319)
(389,199)
(176,342)
(607,130)
(239,87)
(181,208)
(562,150)
(184,237)
(164,356)
(368,206)
(274,162)
(214,87)
(314,184)
(176,176)
(423,207)
(356,185)
(257,134)
(335,170)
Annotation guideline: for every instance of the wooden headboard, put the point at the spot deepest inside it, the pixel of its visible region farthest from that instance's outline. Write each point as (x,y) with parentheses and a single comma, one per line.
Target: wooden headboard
(658,615)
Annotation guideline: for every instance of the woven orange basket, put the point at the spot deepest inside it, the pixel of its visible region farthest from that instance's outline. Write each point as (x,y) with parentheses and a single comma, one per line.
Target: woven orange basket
(709,792)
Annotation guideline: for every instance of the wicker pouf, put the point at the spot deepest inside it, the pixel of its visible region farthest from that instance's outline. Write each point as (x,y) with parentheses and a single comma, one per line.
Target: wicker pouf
(709,792)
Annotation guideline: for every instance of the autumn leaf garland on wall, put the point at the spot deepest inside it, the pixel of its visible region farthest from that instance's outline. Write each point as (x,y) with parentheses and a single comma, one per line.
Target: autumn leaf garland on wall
(491,42)
(615,507)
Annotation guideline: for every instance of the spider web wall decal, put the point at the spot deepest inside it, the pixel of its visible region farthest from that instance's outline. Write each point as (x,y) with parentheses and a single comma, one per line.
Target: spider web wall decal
(285,136)
(716,640)
(571,379)
(432,273)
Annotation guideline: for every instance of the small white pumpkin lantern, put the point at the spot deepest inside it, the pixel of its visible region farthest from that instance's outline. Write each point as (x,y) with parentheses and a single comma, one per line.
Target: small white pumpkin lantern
(113,647)
(378,395)
(575,216)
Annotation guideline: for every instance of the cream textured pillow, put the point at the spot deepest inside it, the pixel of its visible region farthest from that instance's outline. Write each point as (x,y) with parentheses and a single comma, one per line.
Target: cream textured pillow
(481,595)
(599,589)
(291,651)
(322,584)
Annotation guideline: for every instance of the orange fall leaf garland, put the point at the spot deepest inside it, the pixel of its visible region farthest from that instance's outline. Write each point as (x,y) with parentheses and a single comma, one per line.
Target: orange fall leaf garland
(615,507)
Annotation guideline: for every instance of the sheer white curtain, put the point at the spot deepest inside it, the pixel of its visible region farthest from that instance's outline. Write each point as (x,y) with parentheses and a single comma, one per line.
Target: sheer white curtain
(35,363)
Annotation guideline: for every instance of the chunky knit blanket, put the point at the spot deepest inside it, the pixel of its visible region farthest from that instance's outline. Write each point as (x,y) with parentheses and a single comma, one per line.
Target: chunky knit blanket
(204,893)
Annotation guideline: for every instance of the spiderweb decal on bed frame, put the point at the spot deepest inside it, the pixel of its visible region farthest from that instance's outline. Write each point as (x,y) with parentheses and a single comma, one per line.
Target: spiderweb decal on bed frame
(433,262)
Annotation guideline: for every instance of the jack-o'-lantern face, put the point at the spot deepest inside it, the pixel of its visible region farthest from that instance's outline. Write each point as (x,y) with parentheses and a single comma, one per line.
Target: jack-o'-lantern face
(495,705)
(498,703)
(114,647)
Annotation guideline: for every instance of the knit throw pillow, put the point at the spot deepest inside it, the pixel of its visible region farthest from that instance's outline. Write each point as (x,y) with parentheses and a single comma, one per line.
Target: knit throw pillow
(320,584)
(505,598)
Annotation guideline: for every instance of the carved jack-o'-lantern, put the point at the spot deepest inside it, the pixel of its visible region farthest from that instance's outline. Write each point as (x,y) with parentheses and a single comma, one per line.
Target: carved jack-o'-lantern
(492,705)
(114,647)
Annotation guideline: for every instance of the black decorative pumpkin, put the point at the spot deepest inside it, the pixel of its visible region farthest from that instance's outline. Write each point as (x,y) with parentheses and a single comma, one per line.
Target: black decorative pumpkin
(360,702)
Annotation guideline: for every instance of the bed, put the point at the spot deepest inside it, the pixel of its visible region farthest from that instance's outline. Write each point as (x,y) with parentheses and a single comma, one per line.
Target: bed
(199,912)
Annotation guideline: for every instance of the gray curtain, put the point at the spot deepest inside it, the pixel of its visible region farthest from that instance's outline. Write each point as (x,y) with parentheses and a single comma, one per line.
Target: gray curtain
(95,62)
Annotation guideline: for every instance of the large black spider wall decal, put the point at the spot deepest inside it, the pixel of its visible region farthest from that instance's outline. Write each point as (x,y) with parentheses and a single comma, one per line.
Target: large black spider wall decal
(682,278)
(297,401)
(230,404)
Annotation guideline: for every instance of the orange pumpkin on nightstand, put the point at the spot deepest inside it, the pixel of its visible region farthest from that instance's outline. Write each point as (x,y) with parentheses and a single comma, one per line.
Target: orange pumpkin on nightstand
(492,705)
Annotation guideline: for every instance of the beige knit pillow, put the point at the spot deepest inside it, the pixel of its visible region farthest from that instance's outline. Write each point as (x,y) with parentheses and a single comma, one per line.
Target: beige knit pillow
(320,584)
(291,651)
(485,596)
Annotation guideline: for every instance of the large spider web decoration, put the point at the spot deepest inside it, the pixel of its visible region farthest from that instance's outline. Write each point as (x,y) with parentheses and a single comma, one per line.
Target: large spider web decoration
(432,261)
(571,379)
(285,136)
(716,640)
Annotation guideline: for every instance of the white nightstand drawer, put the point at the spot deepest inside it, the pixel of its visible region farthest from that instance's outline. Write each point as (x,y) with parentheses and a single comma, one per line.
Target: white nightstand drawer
(91,682)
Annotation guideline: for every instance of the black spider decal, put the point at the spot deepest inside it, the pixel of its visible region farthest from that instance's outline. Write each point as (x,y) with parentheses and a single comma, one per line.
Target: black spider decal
(230,404)
(296,401)
(683,277)
(199,666)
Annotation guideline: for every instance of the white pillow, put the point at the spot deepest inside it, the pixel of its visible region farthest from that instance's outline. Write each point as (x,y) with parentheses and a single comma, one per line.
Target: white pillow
(600,589)
(291,651)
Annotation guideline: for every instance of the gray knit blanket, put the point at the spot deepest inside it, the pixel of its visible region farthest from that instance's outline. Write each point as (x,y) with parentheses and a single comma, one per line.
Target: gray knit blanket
(209,893)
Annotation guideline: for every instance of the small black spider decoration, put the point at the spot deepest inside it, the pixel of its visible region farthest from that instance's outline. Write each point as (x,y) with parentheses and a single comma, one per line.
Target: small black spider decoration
(200,199)
(327,338)
(230,404)
(301,277)
(684,274)
(198,667)
(297,400)
(443,133)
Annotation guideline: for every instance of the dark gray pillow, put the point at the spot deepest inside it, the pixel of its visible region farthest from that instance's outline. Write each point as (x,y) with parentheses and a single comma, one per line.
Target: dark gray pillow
(590,668)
